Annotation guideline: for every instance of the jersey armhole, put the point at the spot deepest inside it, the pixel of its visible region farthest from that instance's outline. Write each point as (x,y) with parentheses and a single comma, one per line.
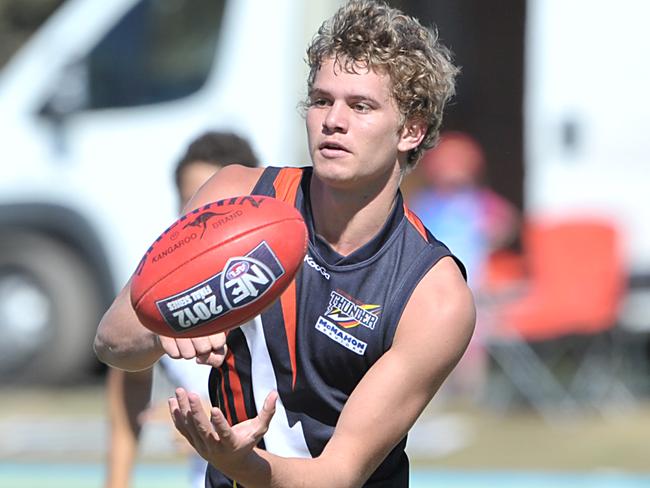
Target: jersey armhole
(264,185)
(410,282)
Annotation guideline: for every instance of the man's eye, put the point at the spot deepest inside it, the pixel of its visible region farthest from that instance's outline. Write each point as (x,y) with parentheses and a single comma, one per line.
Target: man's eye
(361,107)
(318,102)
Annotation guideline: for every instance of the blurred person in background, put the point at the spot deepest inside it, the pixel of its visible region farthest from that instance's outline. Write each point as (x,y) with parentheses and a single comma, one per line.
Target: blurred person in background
(129,393)
(459,208)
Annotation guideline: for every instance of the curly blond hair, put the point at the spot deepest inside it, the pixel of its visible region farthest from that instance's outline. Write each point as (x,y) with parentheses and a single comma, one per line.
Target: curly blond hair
(371,35)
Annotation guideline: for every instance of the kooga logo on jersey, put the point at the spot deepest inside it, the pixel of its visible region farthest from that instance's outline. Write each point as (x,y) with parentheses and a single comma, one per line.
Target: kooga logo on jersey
(316,266)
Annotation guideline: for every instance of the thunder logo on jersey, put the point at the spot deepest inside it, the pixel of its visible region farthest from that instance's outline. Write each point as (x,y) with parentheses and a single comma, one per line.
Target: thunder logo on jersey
(347,313)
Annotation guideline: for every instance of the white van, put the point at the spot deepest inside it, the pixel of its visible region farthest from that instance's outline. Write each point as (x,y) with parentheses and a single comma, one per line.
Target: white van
(97,105)
(95,109)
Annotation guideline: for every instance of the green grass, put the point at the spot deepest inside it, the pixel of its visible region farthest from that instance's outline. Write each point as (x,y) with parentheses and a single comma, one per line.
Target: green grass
(496,440)
(522,440)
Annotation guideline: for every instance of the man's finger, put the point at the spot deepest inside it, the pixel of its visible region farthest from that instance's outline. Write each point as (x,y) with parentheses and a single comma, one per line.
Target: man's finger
(170,347)
(222,427)
(196,406)
(268,410)
(218,341)
(214,359)
(202,345)
(177,417)
(200,427)
(186,348)
(183,401)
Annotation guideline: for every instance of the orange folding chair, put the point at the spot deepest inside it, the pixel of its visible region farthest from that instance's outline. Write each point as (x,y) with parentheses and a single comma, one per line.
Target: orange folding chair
(574,289)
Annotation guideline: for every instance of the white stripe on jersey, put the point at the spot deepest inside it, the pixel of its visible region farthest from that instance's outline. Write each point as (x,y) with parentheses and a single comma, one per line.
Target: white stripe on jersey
(280,438)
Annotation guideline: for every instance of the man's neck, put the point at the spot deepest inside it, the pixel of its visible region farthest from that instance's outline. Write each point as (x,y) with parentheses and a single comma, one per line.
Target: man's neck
(347,220)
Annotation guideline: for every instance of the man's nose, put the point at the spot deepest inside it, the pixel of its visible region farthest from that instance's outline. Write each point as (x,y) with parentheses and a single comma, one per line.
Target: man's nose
(336,119)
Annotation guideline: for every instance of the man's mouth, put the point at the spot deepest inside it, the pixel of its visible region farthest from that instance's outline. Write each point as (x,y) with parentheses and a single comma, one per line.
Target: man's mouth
(332,148)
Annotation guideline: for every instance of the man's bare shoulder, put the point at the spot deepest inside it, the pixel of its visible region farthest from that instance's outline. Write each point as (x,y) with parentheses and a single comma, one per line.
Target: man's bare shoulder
(440,311)
(233,180)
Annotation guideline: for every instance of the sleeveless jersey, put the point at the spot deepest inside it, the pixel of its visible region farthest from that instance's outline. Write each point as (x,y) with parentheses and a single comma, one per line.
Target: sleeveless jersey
(316,342)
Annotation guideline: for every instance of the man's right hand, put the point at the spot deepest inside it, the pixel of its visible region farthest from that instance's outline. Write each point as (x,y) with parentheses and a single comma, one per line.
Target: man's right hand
(210,350)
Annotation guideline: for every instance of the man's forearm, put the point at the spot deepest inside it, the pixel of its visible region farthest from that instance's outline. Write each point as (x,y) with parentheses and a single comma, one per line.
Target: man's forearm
(122,342)
(138,353)
(262,469)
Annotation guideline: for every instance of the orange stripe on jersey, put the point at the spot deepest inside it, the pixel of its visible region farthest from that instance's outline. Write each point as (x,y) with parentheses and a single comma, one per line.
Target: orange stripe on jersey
(236,389)
(288,303)
(286,184)
(225,409)
(417,223)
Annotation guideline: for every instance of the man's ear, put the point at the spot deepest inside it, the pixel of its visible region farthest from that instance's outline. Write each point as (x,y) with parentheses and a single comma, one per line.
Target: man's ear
(412,134)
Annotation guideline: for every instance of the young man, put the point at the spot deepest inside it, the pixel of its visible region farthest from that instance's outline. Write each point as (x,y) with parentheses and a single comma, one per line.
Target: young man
(380,314)
(128,394)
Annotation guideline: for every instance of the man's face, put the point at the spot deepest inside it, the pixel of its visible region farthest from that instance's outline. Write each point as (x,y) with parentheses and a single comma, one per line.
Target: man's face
(353,126)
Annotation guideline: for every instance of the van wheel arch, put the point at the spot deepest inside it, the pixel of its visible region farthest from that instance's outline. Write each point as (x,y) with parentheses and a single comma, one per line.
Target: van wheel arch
(52,294)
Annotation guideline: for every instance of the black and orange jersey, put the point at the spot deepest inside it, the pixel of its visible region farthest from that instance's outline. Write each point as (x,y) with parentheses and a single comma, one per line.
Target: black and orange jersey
(316,342)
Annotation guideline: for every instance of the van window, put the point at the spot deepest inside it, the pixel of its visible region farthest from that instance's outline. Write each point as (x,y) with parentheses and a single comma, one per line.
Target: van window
(159,51)
(19,19)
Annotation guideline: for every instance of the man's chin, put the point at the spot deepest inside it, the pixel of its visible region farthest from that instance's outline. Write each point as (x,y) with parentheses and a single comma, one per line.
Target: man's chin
(332,170)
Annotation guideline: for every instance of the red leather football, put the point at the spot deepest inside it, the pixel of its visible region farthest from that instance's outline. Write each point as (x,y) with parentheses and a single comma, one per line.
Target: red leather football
(219,266)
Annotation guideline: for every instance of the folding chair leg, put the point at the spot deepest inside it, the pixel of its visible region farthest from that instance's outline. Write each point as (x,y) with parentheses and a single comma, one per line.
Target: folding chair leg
(596,379)
(528,373)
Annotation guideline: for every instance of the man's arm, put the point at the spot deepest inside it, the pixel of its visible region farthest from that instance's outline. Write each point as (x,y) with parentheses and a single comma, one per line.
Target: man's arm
(128,395)
(123,342)
(432,335)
